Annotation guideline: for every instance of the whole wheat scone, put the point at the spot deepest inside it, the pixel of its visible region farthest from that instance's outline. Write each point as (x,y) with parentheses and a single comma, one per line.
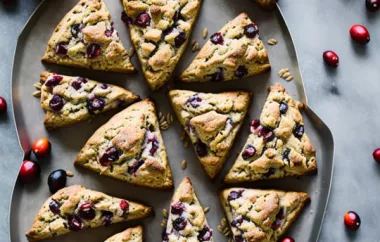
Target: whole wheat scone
(234,52)
(86,38)
(261,215)
(129,147)
(129,235)
(187,221)
(75,208)
(267,4)
(277,145)
(212,122)
(160,31)
(68,100)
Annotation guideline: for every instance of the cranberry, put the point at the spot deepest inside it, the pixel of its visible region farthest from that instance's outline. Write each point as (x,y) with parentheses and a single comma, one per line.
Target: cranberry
(283,107)
(360,34)
(194,101)
(176,16)
(218,75)
(285,155)
(54,207)
(41,147)
(237,221)
(75,30)
(57,180)
(103,86)
(124,205)
(135,166)
(53,81)
(239,238)
(61,49)
(205,234)
(95,104)
(155,145)
(179,223)
(248,152)
(352,220)
(109,32)
(234,195)
(180,39)
(331,58)
(251,30)
(372,5)
(279,219)
(77,84)
(3,105)
(74,222)
(298,130)
(241,71)
(268,136)
(376,155)
(86,211)
(217,39)
(262,131)
(29,171)
(254,125)
(200,148)
(93,51)
(177,208)
(126,19)
(270,172)
(112,154)
(56,103)
(167,31)
(143,20)
(288,239)
(107,217)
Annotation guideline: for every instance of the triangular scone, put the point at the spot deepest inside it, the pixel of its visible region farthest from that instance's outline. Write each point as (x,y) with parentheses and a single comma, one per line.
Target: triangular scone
(234,52)
(160,31)
(86,38)
(129,147)
(187,220)
(277,145)
(68,100)
(75,208)
(261,215)
(212,122)
(129,235)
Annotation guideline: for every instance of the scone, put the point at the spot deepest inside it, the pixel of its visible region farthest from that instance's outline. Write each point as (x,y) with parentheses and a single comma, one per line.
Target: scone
(277,145)
(129,147)
(187,221)
(267,4)
(68,100)
(75,208)
(212,122)
(86,38)
(234,52)
(129,235)
(160,31)
(261,215)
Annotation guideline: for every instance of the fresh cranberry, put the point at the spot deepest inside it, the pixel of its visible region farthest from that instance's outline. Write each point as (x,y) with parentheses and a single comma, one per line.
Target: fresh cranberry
(53,81)
(237,221)
(107,217)
(93,51)
(86,211)
(180,39)
(3,105)
(372,5)
(239,238)
(143,20)
(112,154)
(218,75)
(109,32)
(251,30)
(77,84)
(126,19)
(270,172)
(298,130)
(241,72)
(29,171)
(41,147)
(95,104)
(331,58)
(279,219)
(179,223)
(57,180)
(376,155)
(360,34)
(235,195)
(177,208)
(135,166)
(217,39)
(205,234)
(74,222)
(352,220)
(194,101)
(262,131)
(54,207)
(103,86)
(200,148)
(285,155)
(283,107)
(248,152)
(56,103)
(75,30)
(288,239)
(61,49)
(124,205)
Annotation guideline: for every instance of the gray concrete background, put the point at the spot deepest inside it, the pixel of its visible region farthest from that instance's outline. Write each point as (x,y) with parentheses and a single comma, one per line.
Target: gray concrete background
(346,98)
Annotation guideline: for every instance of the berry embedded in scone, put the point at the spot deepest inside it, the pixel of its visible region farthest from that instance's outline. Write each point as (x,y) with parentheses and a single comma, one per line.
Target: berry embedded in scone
(187,220)
(234,52)
(261,215)
(68,100)
(87,38)
(129,147)
(129,235)
(75,208)
(160,31)
(278,145)
(212,122)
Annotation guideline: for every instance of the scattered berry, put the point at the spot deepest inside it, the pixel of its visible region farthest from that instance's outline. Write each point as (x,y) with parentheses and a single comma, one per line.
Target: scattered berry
(57,180)
(360,34)
(331,58)
(376,155)
(288,239)
(41,147)
(29,171)
(372,5)
(352,220)
(3,105)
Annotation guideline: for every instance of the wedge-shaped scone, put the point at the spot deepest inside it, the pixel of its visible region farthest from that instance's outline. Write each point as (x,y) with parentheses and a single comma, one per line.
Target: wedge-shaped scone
(267,4)
(86,38)
(68,100)
(75,208)
(160,31)
(129,147)
(277,145)
(261,215)
(129,235)
(212,122)
(234,52)
(187,221)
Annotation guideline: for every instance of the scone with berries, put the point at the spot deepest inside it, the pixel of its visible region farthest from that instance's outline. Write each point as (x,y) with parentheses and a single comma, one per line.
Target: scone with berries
(129,235)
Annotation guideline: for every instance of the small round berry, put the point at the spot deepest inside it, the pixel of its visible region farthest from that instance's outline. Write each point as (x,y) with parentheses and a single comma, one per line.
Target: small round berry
(331,58)
(57,180)
(352,220)
(376,155)
(217,39)
(29,171)
(41,147)
(3,105)
(360,34)
(372,5)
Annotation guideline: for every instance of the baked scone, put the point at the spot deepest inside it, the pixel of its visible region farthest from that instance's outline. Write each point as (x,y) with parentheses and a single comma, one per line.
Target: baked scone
(277,145)
(261,215)
(129,235)
(160,31)
(75,208)
(68,100)
(212,122)
(234,52)
(267,4)
(129,147)
(86,38)
(187,221)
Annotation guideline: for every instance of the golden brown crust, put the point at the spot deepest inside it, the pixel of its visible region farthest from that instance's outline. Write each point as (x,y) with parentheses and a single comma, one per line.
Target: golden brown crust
(129,235)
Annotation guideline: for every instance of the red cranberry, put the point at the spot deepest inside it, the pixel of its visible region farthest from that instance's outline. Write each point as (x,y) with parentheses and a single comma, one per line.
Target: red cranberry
(107,217)
(77,84)
(288,239)
(95,104)
(217,39)
(57,180)
(86,211)
(155,145)
(177,208)
(61,49)
(54,207)
(248,152)
(200,148)
(205,234)
(93,51)
(241,71)
(262,131)
(352,220)
(126,19)
(235,195)
(298,130)
(53,81)
(124,205)
(74,222)
(112,154)
(75,30)
(180,39)
(254,124)
(103,86)
(360,34)
(135,166)
(268,136)
(331,58)
(29,171)
(143,20)
(218,75)
(56,103)
(3,105)
(179,223)
(283,107)
(41,147)
(376,155)
(251,30)
(372,5)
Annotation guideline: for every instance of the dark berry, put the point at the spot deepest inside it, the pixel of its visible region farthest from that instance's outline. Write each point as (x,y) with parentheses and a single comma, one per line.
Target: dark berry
(180,39)
(77,84)
(234,195)
(331,58)
(95,104)
(29,172)
(237,222)
(41,147)
(298,130)
(178,208)
(109,32)
(103,86)
(112,154)
(217,39)
(285,156)
(241,72)
(268,136)
(248,152)
(376,155)
(352,220)
(360,34)
(56,103)
(194,101)
(53,81)
(176,16)
(75,30)
(251,30)
(205,234)
(107,215)
(124,205)
(218,75)
(54,207)
(239,238)
(126,19)
(200,148)
(93,51)
(372,5)
(3,105)
(179,223)
(86,211)
(283,107)
(270,172)
(61,49)
(57,180)
(135,166)
(143,20)
(74,222)
(279,219)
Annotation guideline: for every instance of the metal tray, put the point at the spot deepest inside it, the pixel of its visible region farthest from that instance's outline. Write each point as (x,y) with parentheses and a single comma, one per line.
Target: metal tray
(66,142)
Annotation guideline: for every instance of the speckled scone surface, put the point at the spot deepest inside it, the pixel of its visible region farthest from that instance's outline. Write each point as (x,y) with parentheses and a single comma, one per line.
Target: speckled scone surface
(75,208)
(261,215)
(68,100)
(129,147)
(267,4)
(234,52)
(212,122)
(160,31)
(277,145)
(187,221)
(129,235)
(86,38)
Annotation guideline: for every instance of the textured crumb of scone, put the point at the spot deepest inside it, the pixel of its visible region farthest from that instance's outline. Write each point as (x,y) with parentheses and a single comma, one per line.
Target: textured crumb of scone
(68,100)
(234,52)
(212,122)
(129,235)
(187,220)
(75,208)
(87,38)
(160,31)
(278,145)
(261,215)
(129,147)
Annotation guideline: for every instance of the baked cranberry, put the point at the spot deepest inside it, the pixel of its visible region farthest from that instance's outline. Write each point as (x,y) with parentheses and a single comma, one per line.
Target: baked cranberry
(155,145)
(262,131)
(107,215)
(241,72)
(56,103)
(283,107)
(3,105)
(352,220)
(194,101)
(251,30)
(200,148)
(279,219)
(268,136)
(177,208)
(237,221)
(205,234)
(288,239)
(176,16)
(86,211)
(270,172)
(77,84)
(298,130)
(93,51)
(331,58)
(239,238)
(29,172)
(124,205)
(61,49)
(109,32)
(235,195)
(57,180)
(218,75)
(53,81)
(112,154)
(179,223)
(248,152)
(372,5)
(75,30)
(74,222)
(360,34)
(254,125)
(143,20)
(135,166)
(180,39)
(217,39)
(95,104)
(285,156)
(376,155)
(126,19)
(103,86)
(54,207)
